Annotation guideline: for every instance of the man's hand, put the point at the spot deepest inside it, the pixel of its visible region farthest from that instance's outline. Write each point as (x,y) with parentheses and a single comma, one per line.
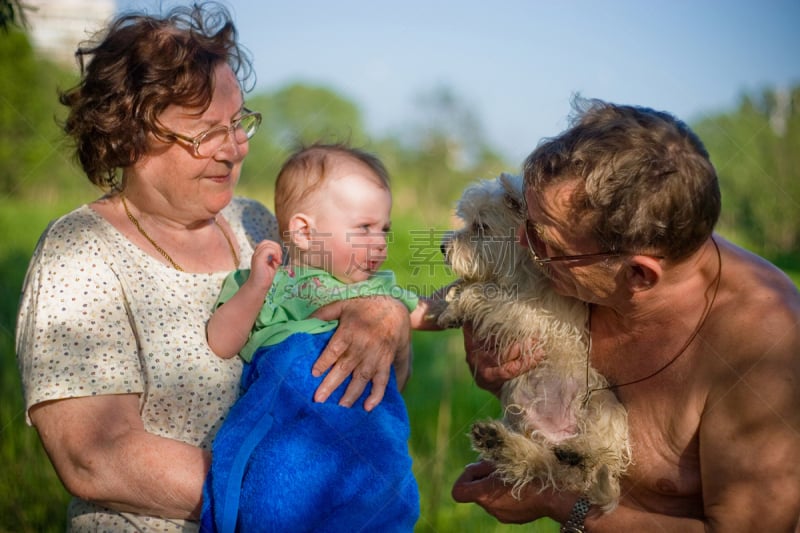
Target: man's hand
(477,484)
(373,334)
(490,369)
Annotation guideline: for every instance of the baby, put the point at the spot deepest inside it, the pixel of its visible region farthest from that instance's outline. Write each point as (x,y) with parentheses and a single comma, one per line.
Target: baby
(299,464)
(333,206)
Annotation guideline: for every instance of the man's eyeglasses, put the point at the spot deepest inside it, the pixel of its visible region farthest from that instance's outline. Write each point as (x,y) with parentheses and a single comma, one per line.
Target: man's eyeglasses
(560,258)
(208,143)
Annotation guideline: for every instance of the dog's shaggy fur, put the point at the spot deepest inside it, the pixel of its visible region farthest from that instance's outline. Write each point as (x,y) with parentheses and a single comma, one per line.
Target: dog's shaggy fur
(551,431)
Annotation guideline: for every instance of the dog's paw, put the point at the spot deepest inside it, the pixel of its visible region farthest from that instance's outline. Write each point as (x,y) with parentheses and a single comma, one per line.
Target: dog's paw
(485,438)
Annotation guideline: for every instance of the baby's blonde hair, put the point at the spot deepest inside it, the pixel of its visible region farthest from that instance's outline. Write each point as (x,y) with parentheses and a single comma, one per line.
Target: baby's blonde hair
(306,170)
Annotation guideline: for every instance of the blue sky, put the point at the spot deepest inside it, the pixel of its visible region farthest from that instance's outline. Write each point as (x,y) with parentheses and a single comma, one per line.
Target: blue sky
(517,63)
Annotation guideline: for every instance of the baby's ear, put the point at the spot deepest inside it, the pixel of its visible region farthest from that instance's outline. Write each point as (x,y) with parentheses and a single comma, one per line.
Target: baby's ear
(300,231)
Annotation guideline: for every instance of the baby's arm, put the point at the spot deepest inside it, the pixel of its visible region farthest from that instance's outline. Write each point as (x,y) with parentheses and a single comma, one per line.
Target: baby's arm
(425,315)
(230,325)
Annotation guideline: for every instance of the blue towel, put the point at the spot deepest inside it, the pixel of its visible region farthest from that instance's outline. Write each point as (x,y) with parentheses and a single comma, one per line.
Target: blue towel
(281,462)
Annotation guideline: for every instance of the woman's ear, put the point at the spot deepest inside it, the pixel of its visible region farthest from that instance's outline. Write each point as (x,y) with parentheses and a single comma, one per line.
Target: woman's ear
(643,272)
(300,228)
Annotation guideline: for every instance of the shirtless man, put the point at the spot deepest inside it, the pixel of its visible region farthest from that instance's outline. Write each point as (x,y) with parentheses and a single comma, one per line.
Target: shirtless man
(699,338)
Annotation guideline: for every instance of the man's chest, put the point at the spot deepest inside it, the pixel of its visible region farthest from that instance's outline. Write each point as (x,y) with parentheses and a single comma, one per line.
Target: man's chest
(658,383)
(663,428)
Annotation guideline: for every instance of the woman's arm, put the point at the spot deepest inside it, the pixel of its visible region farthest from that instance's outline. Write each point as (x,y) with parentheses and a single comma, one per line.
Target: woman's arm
(373,334)
(102,453)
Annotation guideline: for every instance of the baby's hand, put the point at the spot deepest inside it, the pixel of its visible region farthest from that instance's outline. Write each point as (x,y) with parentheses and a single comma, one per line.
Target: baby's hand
(265,262)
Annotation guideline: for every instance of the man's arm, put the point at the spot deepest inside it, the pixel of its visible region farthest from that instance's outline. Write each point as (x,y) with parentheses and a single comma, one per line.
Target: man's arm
(750,434)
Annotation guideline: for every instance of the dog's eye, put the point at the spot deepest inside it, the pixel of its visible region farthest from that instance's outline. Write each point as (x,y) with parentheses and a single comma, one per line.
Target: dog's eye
(479,227)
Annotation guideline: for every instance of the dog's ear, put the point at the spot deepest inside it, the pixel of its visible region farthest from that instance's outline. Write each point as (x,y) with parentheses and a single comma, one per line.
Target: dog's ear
(512,197)
(513,204)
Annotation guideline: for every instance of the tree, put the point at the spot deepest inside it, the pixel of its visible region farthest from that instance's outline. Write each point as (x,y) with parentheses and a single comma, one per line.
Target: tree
(31,146)
(444,150)
(298,114)
(756,150)
(11,13)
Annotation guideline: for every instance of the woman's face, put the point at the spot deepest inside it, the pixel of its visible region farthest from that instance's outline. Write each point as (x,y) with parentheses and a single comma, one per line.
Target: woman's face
(171,176)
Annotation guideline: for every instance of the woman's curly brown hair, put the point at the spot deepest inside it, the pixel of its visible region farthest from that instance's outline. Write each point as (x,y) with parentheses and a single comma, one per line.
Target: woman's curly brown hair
(137,68)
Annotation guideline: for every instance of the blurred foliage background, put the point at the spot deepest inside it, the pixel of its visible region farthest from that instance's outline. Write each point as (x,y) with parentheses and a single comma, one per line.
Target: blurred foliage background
(755,146)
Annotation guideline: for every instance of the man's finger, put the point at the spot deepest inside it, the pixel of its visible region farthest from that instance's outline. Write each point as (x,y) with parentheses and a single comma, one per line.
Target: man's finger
(472,483)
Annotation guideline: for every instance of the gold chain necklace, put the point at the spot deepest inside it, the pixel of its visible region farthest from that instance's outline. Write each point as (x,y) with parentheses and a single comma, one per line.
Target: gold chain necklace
(160,250)
(680,352)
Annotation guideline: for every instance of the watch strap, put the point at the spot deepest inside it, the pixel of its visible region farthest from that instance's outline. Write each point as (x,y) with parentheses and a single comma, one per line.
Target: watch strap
(574,523)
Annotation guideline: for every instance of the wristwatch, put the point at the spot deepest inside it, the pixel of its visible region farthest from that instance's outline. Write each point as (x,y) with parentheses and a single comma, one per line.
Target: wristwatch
(574,523)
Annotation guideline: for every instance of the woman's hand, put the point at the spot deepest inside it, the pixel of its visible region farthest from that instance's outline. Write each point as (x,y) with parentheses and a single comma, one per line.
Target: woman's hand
(373,333)
(490,369)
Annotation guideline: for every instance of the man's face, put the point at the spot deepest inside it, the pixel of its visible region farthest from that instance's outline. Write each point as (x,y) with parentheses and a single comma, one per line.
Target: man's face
(562,244)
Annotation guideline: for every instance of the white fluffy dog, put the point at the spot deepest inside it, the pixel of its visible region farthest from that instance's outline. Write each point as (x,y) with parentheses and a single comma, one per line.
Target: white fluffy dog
(554,430)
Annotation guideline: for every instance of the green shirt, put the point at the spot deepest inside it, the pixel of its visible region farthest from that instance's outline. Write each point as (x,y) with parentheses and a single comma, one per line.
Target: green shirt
(296,293)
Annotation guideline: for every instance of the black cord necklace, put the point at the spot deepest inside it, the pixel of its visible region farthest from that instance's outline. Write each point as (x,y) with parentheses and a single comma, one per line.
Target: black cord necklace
(680,352)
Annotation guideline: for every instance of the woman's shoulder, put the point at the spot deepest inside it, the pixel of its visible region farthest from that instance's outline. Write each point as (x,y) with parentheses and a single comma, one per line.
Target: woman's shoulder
(253,217)
(75,244)
(69,228)
(81,217)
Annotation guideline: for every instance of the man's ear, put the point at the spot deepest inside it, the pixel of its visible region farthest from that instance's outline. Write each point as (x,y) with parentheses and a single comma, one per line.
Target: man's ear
(643,272)
(300,228)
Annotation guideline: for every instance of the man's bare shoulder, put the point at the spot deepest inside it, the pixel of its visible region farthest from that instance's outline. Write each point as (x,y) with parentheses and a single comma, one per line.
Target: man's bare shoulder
(752,336)
(767,273)
(755,291)
(753,332)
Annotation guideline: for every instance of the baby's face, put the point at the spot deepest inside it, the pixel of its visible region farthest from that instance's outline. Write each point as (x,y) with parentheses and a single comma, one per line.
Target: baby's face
(351,223)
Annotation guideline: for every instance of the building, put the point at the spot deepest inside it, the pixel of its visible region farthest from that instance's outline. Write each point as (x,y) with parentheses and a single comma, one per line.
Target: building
(57,27)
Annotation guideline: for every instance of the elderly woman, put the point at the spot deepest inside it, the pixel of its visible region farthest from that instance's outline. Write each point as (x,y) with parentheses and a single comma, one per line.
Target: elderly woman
(119,379)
